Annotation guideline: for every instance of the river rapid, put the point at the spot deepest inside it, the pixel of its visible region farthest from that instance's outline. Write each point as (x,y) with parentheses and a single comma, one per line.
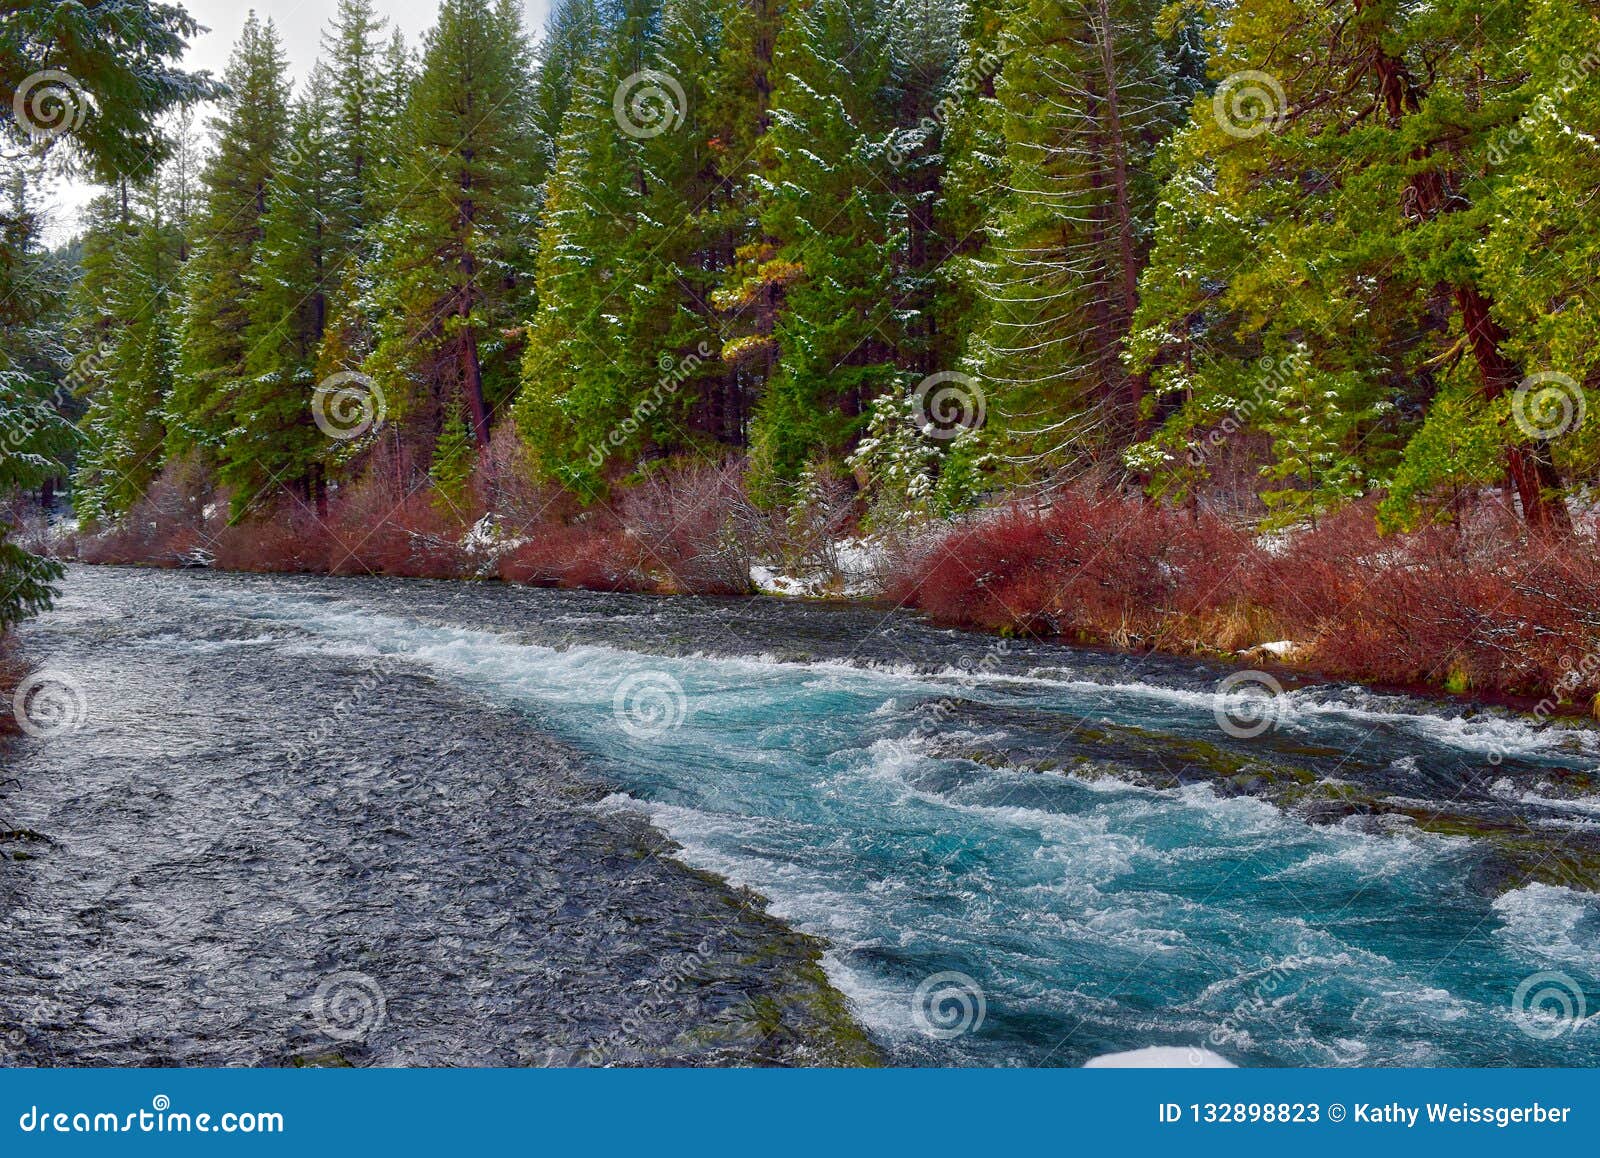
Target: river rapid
(282,820)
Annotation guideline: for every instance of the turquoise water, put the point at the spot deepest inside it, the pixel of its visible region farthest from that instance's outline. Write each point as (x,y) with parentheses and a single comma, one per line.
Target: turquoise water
(980,911)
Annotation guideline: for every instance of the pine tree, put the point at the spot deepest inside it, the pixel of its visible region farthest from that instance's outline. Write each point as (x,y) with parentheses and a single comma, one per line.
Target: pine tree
(122,60)
(34,437)
(273,444)
(1340,202)
(369,78)
(454,457)
(126,352)
(250,127)
(835,229)
(1084,97)
(95,79)
(450,268)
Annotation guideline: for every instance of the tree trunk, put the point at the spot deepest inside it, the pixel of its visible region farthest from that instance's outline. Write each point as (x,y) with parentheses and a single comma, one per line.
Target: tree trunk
(1531,468)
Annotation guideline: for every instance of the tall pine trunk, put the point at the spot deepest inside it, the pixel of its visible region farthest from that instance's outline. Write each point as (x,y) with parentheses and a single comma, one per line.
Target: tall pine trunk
(1531,468)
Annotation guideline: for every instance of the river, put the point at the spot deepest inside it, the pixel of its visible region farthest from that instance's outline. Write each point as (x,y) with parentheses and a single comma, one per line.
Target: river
(291,820)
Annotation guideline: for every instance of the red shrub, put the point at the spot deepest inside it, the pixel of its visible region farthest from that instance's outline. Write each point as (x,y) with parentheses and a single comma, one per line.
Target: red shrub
(1101,568)
(168,527)
(1483,605)
(291,539)
(694,528)
(1479,606)
(374,532)
(588,555)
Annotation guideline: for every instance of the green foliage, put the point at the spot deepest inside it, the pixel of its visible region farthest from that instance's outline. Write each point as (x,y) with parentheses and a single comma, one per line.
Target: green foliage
(126,351)
(454,456)
(120,59)
(913,475)
(451,285)
(1311,251)
(251,130)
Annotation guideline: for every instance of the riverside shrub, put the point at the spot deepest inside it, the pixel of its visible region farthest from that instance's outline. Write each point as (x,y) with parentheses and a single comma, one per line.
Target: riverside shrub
(1479,605)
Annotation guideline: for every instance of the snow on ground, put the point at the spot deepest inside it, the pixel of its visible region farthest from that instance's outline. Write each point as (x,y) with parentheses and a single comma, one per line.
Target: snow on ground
(858,566)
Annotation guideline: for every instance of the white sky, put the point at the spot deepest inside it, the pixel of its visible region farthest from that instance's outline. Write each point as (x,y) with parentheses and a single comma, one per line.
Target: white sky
(300,25)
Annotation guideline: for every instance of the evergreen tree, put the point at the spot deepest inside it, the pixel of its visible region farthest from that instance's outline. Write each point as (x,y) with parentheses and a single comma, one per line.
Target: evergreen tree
(368,81)
(250,127)
(835,229)
(123,77)
(1340,201)
(454,456)
(450,268)
(642,220)
(1085,96)
(272,441)
(126,357)
(34,437)
(95,79)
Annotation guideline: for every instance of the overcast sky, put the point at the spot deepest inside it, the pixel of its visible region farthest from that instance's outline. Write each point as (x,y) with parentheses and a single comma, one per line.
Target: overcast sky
(300,24)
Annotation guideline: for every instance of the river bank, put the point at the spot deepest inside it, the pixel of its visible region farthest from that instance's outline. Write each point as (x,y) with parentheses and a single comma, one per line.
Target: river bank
(1479,607)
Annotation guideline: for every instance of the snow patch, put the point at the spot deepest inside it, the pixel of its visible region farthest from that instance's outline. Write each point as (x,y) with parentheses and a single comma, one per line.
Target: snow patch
(853,573)
(1161,1057)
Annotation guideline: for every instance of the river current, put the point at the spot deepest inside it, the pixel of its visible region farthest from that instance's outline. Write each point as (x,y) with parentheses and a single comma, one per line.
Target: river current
(532,827)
